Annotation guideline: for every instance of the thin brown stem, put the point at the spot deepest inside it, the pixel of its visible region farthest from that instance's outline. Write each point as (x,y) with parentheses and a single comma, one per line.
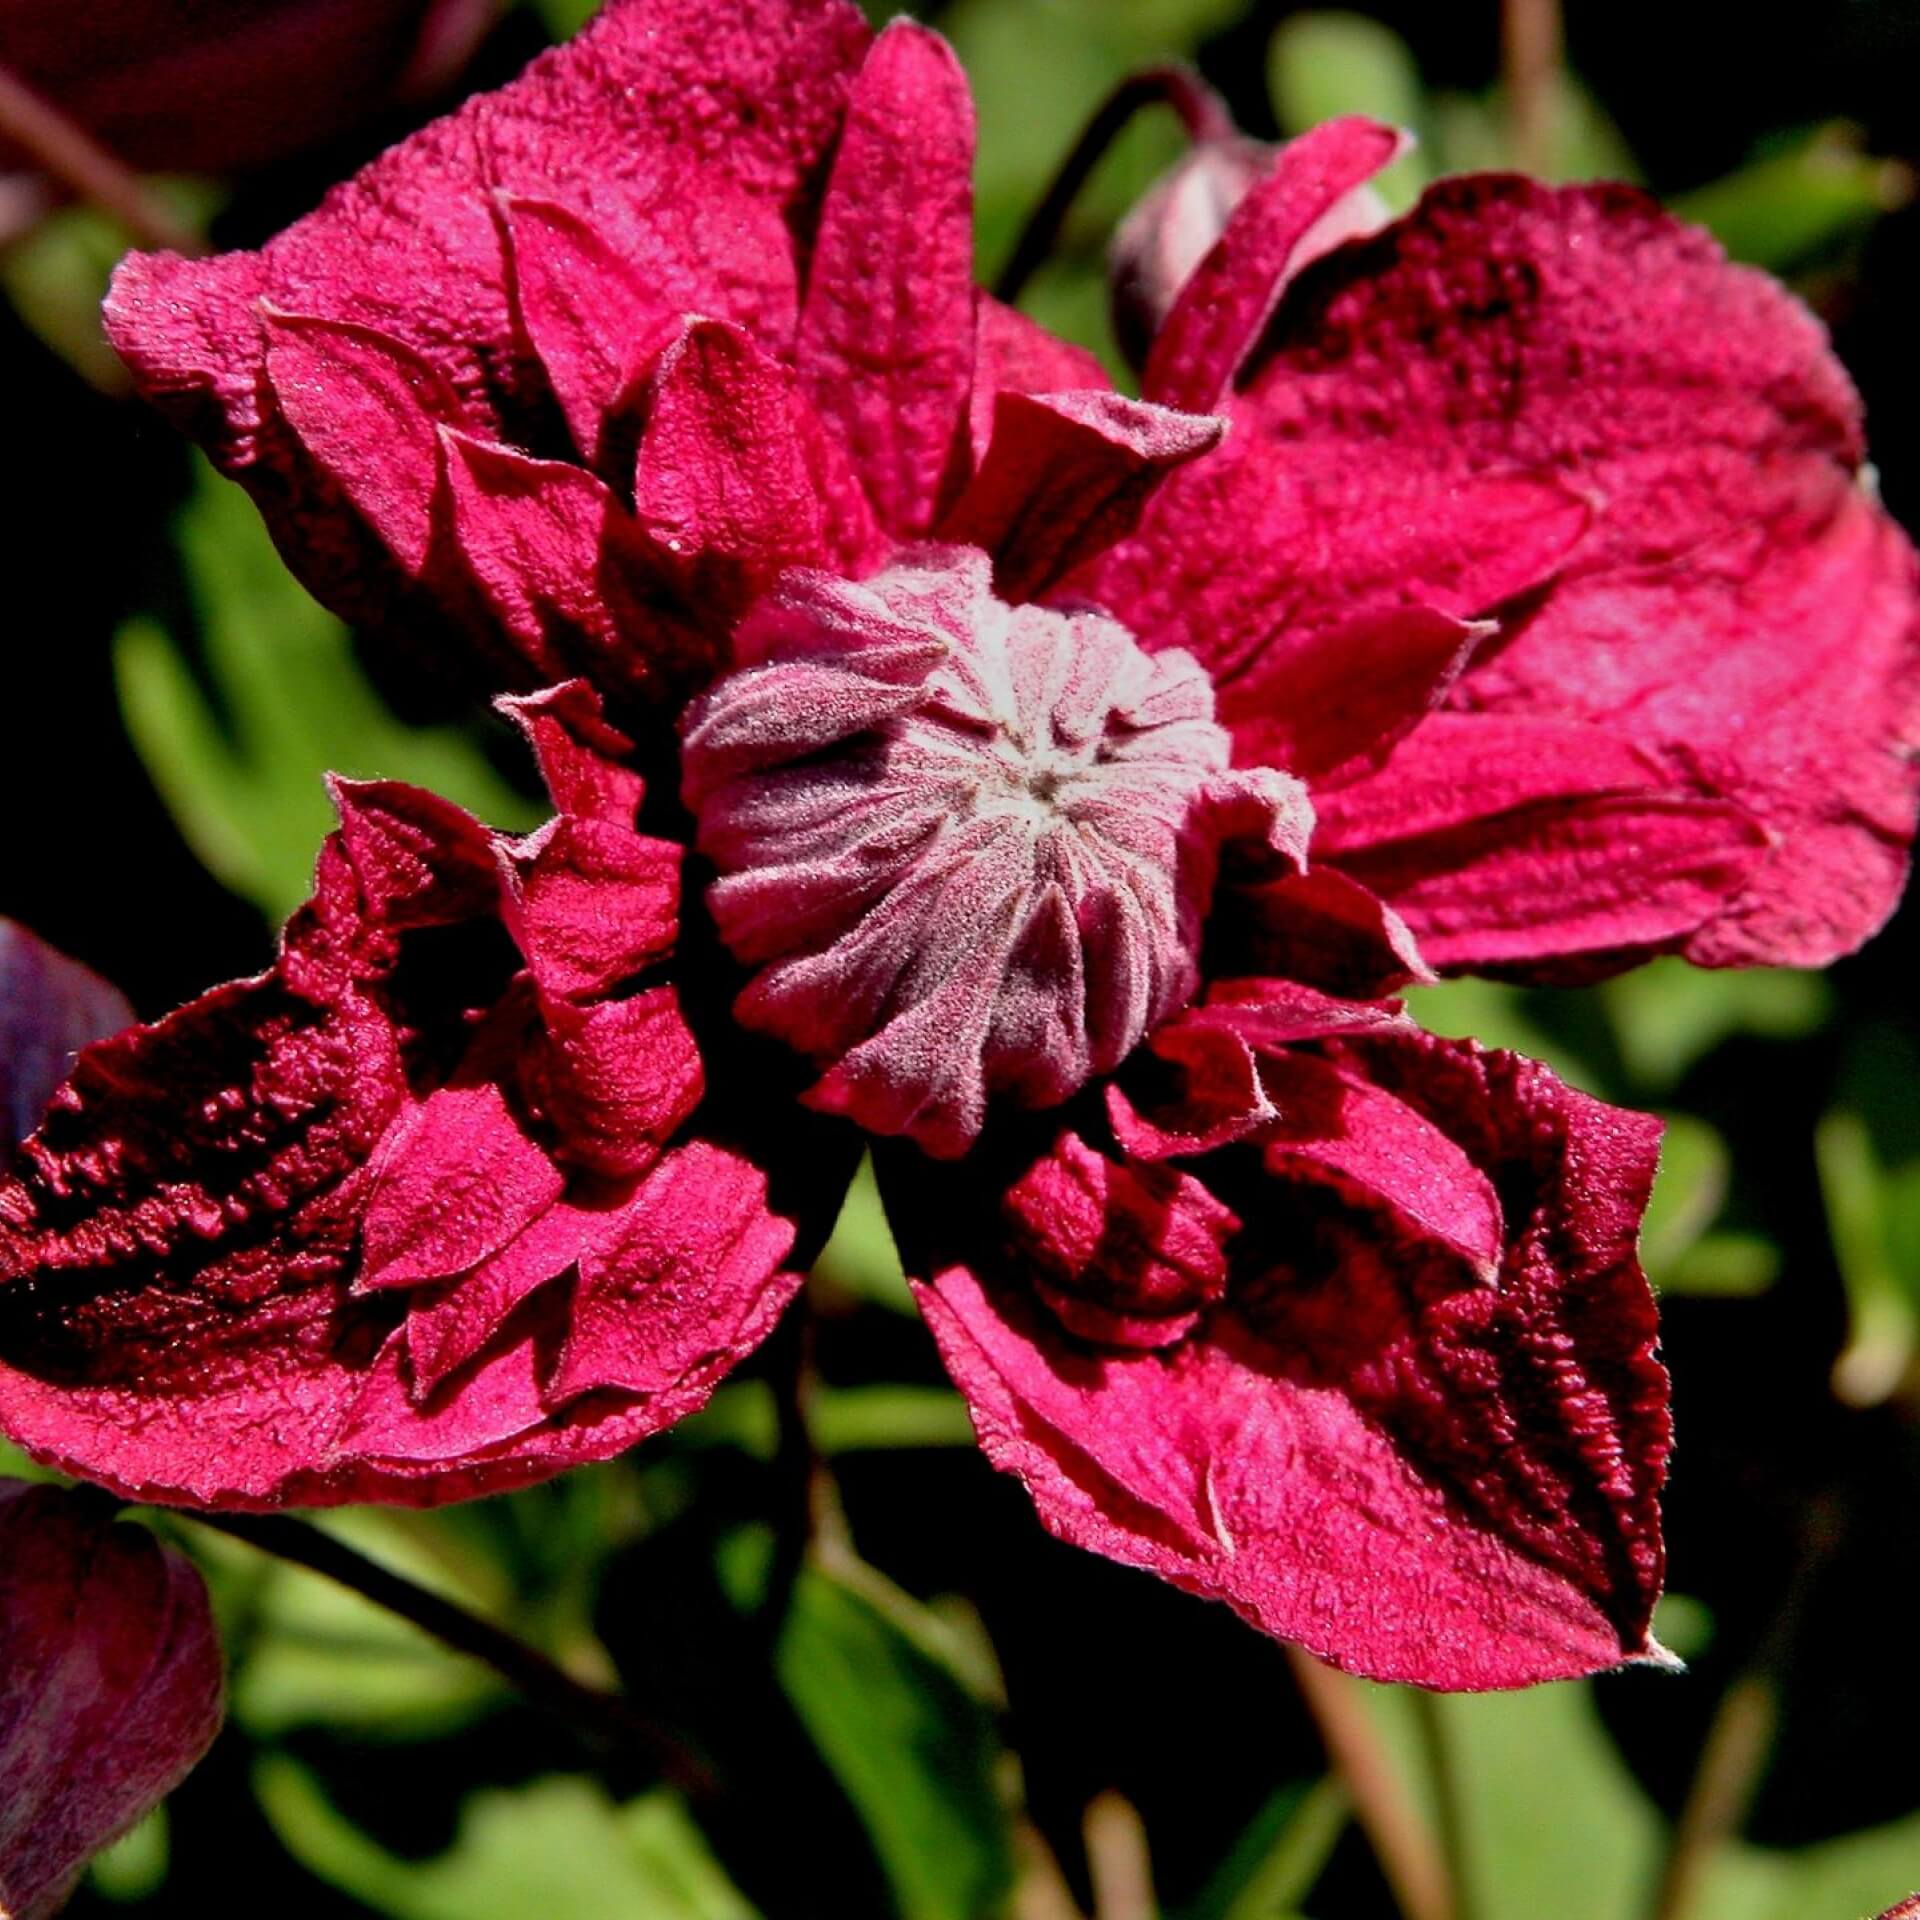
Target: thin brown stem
(1202,112)
(1450,1815)
(1734,1756)
(1723,1786)
(605,1721)
(1531,50)
(81,164)
(1409,1855)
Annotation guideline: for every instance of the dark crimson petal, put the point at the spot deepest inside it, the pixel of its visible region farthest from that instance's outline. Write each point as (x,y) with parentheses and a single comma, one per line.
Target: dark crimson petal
(1218,314)
(1320,927)
(50,1007)
(1513,841)
(1415,1475)
(1781,672)
(456,1180)
(724,486)
(619,1080)
(367,408)
(1338,701)
(215,1249)
(1065,475)
(571,577)
(885,348)
(1125,1254)
(599,295)
(650,101)
(1335,1124)
(1014,354)
(591,903)
(694,1268)
(579,755)
(110,1685)
(1738,606)
(1262,549)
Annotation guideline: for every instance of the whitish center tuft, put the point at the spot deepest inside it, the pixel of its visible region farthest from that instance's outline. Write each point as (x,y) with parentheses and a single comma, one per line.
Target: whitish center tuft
(969,846)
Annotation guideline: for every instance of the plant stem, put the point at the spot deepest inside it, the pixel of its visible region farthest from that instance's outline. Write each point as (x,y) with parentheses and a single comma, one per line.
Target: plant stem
(81,164)
(1531,45)
(1450,1815)
(606,1721)
(1201,111)
(1409,1856)
(1734,1755)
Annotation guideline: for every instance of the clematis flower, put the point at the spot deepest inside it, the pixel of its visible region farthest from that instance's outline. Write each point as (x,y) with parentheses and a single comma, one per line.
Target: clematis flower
(925,779)
(50,1007)
(110,1685)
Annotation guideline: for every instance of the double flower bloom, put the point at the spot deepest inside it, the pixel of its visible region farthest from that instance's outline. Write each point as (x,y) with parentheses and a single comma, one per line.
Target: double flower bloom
(1047,788)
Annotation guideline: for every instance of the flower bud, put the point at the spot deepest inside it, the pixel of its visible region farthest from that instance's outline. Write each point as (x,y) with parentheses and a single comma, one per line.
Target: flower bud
(110,1685)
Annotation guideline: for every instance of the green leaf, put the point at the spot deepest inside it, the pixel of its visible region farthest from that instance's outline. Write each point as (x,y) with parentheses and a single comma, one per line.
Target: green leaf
(1278,1857)
(1788,208)
(913,1747)
(1688,1193)
(134,1868)
(1496,1016)
(1883,1334)
(1322,65)
(238,747)
(558,1848)
(1668,1015)
(860,1260)
(56,275)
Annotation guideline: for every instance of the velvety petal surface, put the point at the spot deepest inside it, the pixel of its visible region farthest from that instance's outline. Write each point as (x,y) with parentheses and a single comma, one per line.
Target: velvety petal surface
(1294,1381)
(1563,408)
(436,1205)
(111,1685)
(528,250)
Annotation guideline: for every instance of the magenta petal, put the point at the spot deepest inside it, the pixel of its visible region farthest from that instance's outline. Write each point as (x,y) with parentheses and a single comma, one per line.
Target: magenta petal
(110,1685)
(50,1007)
(457,1179)
(723,486)
(592,903)
(1320,927)
(1335,1124)
(365,406)
(599,291)
(450,1325)
(1509,841)
(1421,1480)
(1340,699)
(579,754)
(687,1284)
(1014,354)
(567,571)
(619,1080)
(1218,314)
(885,349)
(1065,475)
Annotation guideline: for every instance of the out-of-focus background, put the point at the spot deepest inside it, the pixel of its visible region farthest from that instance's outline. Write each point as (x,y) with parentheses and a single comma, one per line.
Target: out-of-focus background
(962,1718)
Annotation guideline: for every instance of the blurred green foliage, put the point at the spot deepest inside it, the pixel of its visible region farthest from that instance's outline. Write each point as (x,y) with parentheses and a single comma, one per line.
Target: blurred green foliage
(241,716)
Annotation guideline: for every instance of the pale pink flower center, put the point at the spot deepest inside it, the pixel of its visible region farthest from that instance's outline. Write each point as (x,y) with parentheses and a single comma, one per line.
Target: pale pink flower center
(968,846)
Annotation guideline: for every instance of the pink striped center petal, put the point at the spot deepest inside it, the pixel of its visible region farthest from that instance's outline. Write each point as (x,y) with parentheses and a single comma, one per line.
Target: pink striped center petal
(968,846)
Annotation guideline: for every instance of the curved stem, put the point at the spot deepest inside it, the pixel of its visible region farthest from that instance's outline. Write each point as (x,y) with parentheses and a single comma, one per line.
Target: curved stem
(1201,111)
(604,1720)
(82,165)
(1410,1858)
